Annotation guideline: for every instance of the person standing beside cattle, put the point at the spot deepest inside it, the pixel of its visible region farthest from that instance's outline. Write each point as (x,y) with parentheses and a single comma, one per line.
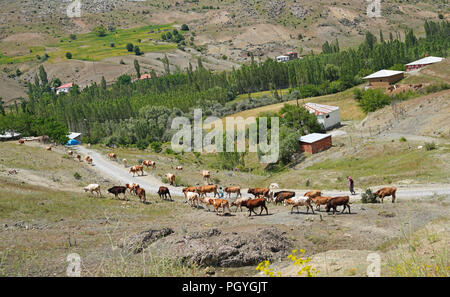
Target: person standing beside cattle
(221,193)
(351,185)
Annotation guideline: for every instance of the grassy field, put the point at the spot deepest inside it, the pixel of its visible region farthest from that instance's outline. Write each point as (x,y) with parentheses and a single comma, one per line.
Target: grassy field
(349,109)
(93,48)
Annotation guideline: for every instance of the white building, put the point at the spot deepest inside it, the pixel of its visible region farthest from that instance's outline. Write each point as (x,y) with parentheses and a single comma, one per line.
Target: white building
(422,63)
(328,116)
(282,58)
(64,88)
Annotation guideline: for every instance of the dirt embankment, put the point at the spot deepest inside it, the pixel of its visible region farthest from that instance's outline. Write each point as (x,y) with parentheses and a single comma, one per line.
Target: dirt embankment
(423,116)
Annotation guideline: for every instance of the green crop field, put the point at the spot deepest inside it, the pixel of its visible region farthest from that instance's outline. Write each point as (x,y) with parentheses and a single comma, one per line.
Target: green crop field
(91,47)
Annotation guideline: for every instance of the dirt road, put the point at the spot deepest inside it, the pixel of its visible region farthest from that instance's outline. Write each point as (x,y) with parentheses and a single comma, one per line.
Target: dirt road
(152,183)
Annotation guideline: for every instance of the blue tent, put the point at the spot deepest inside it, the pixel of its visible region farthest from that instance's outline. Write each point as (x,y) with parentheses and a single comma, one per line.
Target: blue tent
(72,142)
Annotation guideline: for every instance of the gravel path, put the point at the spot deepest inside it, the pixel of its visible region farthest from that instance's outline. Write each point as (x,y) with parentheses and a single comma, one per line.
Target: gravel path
(152,183)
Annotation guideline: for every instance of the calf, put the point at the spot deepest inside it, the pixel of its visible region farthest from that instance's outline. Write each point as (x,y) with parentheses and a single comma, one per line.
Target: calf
(283,195)
(388,191)
(163,192)
(238,202)
(93,188)
(192,197)
(116,190)
(336,201)
(251,204)
(188,189)
(300,201)
(318,201)
(236,190)
(206,201)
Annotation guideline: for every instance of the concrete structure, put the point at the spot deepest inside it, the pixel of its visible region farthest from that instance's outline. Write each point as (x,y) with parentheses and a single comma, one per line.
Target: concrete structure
(315,142)
(422,63)
(384,78)
(282,58)
(64,88)
(328,116)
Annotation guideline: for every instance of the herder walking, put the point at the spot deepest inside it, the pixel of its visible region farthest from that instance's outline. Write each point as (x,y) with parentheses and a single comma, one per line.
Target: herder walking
(351,185)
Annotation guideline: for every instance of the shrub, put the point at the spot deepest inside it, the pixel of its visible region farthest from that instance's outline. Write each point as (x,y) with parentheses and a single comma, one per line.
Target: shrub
(112,44)
(430,146)
(402,139)
(130,47)
(73,36)
(69,55)
(137,51)
(156,146)
(184,27)
(77,176)
(368,197)
(100,31)
(371,100)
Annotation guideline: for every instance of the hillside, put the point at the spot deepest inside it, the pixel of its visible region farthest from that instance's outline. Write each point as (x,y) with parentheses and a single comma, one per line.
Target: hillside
(223,32)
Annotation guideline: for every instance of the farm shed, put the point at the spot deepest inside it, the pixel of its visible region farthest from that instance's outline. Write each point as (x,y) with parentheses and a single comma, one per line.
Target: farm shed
(422,63)
(384,78)
(75,136)
(64,88)
(9,135)
(315,142)
(282,58)
(328,116)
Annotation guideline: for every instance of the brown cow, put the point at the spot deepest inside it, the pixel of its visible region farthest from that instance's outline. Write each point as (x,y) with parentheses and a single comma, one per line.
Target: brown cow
(112,156)
(78,157)
(388,191)
(222,203)
(236,190)
(163,192)
(259,192)
(48,148)
(318,201)
(283,195)
(337,201)
(89,160)
(21,141)
(136,169)
(313,193)
(254,203)
(133,187)
(149,163)
(179,168)
(203,190)
(70,153)
(140,192)
(170,178)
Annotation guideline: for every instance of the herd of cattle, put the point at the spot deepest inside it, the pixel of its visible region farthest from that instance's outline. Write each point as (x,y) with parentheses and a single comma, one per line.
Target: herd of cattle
(197,195)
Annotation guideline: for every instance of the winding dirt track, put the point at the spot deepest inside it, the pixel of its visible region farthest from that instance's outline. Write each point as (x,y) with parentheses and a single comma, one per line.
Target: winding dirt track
(151,184)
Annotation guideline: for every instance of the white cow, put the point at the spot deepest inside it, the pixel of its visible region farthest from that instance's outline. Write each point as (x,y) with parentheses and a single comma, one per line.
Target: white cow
(299,201)
(93,188)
